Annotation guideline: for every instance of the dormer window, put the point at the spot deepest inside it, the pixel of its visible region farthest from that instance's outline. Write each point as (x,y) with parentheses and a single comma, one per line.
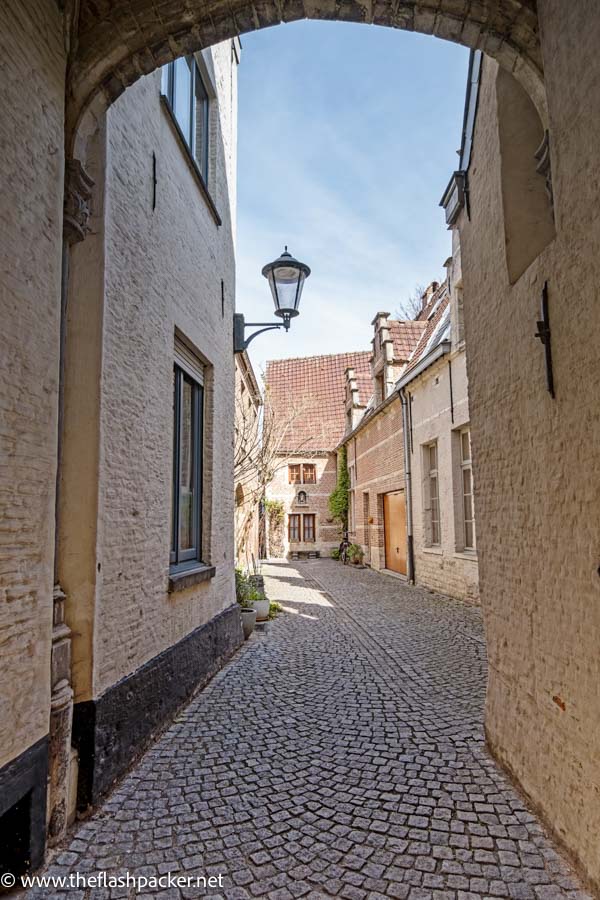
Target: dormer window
(301,498)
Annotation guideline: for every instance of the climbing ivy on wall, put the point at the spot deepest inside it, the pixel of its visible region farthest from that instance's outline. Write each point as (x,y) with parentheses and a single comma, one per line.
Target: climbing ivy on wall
(338,499)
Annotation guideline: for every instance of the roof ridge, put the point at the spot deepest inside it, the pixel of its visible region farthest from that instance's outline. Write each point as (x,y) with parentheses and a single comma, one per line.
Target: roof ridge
(320,356)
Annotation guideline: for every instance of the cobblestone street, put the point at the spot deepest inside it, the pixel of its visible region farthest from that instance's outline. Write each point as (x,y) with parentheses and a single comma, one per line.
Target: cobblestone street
(340,754)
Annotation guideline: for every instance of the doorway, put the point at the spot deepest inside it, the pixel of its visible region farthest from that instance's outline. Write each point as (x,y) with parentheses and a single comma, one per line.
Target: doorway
(394,526)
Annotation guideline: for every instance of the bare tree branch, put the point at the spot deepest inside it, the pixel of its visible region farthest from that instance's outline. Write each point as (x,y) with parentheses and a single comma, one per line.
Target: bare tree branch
(412,306)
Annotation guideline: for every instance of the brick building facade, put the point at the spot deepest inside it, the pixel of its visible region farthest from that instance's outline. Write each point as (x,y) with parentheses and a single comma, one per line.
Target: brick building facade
(531,229)
(391,513)
(306,396)
(248,489)
(436,393)
(143,610)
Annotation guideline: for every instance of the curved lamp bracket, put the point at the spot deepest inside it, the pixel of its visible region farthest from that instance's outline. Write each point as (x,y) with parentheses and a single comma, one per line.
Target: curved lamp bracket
(240,341)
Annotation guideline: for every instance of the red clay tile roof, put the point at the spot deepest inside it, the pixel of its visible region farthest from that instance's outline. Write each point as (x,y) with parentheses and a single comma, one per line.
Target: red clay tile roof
(405,337)
(364,382)
(307,396)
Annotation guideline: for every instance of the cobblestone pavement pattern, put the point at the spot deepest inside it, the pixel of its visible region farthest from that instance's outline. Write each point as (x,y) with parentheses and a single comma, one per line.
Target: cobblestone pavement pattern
(340,754)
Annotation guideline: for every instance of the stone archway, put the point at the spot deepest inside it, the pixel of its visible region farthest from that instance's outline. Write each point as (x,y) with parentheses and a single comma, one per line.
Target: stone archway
(115,43)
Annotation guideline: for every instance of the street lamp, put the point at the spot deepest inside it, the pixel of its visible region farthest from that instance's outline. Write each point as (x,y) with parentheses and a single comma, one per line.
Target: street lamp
(286,277)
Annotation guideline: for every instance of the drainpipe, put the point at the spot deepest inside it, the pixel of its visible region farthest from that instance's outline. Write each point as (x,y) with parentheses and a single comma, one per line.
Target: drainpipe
(407,479)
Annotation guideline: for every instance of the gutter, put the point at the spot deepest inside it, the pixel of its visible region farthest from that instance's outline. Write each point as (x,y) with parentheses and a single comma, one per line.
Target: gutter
(442,349)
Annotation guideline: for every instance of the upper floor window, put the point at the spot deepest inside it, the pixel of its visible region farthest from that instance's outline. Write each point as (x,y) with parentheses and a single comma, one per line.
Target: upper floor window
(467,490)
(302,473)
(188,98)
(186,506)
(432,499)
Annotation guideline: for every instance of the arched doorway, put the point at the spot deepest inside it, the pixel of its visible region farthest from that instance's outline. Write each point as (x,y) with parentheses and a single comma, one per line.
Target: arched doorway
(112,45)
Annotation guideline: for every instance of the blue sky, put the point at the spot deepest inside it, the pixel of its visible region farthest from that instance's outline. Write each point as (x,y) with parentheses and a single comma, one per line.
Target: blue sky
(347,138)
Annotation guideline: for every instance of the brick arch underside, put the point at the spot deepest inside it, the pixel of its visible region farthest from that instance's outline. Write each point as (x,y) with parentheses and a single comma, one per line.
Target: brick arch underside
(118,41)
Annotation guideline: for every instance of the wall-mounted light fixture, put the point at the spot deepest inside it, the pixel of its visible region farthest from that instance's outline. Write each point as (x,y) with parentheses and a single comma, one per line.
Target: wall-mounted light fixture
(286,277)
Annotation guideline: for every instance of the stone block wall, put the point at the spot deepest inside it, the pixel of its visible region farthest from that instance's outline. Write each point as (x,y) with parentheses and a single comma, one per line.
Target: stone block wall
(536,458)
(32,72)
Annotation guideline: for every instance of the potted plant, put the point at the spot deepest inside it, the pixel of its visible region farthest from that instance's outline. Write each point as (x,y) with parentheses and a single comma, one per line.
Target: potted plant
(355,554)
(243,592)
(261,604)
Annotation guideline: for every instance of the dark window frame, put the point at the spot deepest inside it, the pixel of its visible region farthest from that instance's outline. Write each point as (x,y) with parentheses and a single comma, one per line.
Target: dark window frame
(197,86)
(181,558)
(313,528)
(297,530)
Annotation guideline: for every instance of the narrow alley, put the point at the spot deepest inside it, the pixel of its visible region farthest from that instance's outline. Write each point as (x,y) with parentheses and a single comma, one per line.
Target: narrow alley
(339,753)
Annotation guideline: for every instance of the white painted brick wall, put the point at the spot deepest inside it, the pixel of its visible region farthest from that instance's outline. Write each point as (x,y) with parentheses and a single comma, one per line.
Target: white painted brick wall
(32,67)
(162,272)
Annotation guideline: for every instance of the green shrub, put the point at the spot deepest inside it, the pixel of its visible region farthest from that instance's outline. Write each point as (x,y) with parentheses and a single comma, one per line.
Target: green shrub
(338,499)
(274,609)
(335,553)
(355,553)
(243,589)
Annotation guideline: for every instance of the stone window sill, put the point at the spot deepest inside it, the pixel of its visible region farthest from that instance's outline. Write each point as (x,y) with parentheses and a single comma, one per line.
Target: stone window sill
(182,578)
(191,161)
(466,554)
(435,551)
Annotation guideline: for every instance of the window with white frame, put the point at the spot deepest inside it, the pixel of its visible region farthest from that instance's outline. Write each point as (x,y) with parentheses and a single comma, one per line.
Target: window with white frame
(468,514)
(432,494)
(188,99)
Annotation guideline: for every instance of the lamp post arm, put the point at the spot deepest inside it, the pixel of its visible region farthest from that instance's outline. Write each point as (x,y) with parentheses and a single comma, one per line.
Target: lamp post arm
(240,341)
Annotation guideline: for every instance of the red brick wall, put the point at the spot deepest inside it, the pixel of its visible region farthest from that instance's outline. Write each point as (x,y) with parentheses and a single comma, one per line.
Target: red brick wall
(327,532)
(376,452)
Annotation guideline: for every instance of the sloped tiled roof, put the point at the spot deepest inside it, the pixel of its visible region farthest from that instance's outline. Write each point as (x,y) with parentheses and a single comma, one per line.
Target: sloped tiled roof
(307,396)
(364,383)
(432,316)
(405,337)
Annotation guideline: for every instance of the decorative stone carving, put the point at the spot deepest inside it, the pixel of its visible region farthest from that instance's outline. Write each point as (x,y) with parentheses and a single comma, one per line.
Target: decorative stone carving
(61,720)
(78,193)
(542,154)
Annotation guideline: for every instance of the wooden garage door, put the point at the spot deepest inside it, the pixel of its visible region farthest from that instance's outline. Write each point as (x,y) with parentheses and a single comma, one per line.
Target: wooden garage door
(394,523)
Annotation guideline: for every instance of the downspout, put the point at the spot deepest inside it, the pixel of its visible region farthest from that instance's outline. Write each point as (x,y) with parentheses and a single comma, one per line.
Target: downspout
(451,391)
(407,479)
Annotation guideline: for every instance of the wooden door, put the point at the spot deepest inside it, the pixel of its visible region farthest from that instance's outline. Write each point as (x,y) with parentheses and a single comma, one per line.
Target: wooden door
(394,524)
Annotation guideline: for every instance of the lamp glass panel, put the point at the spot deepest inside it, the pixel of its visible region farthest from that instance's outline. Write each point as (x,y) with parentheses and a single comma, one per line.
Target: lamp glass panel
(286,292)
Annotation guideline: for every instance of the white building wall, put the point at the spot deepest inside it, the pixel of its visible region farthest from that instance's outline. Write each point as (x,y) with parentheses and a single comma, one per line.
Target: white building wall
(447,568)
(163,266)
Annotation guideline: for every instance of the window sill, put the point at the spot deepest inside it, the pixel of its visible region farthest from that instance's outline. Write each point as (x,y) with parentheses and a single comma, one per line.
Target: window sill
(436,551)
(466,554)
(182,578)
(191,161)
